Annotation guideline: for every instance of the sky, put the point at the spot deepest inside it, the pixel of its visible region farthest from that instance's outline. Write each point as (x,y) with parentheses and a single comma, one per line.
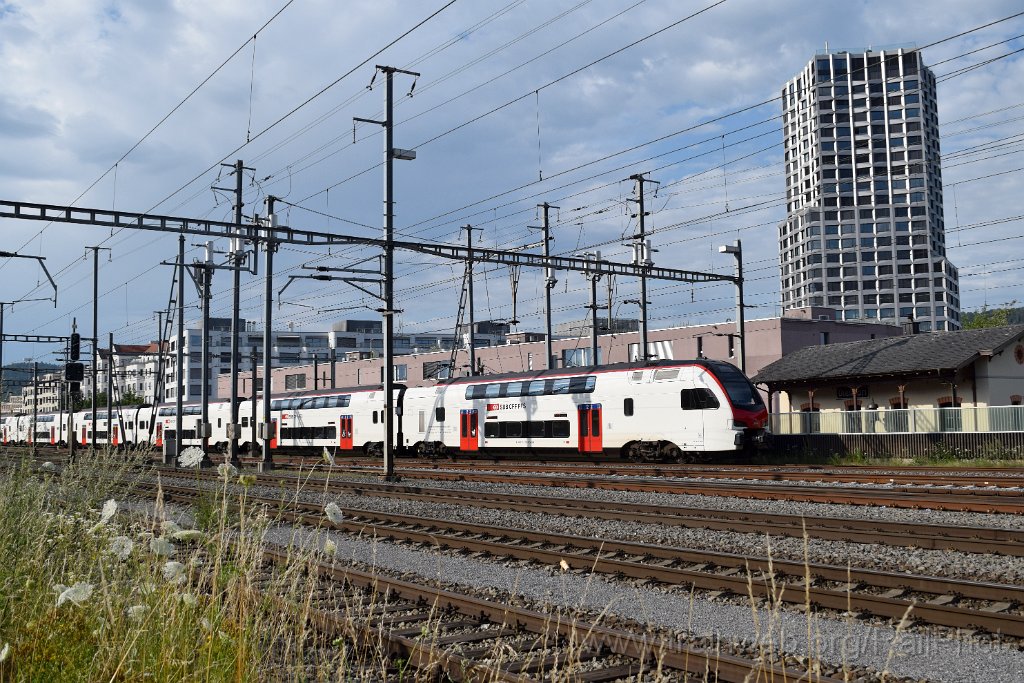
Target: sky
(135,106)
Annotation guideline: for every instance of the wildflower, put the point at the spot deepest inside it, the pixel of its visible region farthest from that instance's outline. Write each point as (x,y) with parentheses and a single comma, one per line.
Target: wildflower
(334,513)
(174,572)
(564,565)
(48,467)
(330,548)
(191,457)
(161,546)
(188,599)
(106,514)
(205,623)
(187,535)
(5,652)
(328,458)
(169,527)
(226,470)
(247,480)
(136,612)
(77,594)
(121,547)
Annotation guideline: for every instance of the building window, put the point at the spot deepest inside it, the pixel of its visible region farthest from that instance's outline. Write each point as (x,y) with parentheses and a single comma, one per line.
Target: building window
(293,382)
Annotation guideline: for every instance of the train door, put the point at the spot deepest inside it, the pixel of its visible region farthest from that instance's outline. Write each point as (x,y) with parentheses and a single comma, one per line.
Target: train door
(469,428)
(159,434)
(345,432)
(53,435)
(273,434)
(590,432)
(85,440)
(113,435)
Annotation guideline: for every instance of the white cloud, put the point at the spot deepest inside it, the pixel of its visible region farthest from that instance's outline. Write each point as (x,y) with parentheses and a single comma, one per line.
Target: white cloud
(83,80)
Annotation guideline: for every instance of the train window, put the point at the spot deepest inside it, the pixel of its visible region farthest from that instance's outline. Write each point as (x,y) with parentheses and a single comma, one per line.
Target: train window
(513,429)
(275,405)
(514,389)
(374,417)
(219,422)
(245,422)
(560,386)
(637,376)
(536,388)
(582,385)
(535,429)
(439,414)
(708,400)
(627,407)
(698,399)
(493,390)
(660,375)
(492,430)
(476,391)
(560,429)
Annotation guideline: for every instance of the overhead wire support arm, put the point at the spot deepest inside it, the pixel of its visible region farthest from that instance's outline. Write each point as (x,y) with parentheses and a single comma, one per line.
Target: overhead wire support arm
(42,264)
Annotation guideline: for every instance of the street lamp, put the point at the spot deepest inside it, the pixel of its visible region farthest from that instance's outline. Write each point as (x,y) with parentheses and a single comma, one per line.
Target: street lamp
(736,249)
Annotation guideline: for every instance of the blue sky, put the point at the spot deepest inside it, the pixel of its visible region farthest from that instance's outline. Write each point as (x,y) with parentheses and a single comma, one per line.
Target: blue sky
(84,81)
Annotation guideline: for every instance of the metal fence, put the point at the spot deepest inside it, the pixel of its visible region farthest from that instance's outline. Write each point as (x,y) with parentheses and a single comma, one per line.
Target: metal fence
(905,421)
(966,432)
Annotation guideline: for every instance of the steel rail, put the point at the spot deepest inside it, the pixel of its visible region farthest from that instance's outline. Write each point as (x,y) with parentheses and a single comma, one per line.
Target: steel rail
(644,561)
(976,539)
(1009,502)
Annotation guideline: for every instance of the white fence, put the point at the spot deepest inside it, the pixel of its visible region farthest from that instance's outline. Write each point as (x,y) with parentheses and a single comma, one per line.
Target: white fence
(973,420)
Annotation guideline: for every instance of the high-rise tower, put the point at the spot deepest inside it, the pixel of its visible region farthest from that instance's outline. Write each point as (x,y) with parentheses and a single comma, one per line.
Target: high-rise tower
(864,229)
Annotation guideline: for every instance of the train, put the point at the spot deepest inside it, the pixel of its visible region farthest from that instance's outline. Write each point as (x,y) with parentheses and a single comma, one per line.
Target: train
(665,410)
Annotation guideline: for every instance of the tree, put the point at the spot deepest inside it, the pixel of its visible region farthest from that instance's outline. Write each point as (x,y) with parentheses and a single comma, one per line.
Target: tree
(986,317)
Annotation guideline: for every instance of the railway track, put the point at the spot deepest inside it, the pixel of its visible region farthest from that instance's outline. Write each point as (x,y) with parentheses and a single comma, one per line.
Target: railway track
(462,637)
(960,500)
(953,603)
(974,539)
(468,638)
(983,477)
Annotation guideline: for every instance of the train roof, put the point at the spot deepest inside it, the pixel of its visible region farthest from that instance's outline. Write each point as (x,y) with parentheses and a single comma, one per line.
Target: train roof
(711,365)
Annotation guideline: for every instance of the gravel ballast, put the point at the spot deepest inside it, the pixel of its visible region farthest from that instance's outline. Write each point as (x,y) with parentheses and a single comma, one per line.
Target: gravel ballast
(916,654)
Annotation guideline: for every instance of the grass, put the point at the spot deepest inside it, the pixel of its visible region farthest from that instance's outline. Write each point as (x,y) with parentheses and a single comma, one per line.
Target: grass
(90,593)
(147,600)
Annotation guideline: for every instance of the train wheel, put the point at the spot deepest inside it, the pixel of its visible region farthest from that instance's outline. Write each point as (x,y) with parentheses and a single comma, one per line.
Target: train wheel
(672,453)
(631,452)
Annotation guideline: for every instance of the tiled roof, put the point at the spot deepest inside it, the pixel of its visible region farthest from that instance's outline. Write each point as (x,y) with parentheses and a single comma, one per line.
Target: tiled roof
(927,353)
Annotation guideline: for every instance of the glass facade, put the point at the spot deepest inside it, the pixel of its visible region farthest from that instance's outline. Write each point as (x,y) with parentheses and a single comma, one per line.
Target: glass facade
(864,231)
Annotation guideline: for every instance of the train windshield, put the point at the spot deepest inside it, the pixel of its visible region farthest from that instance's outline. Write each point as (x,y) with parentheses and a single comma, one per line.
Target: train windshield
(741,392)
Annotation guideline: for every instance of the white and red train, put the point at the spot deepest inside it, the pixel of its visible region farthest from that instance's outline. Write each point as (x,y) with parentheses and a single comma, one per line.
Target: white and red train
(665,410)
